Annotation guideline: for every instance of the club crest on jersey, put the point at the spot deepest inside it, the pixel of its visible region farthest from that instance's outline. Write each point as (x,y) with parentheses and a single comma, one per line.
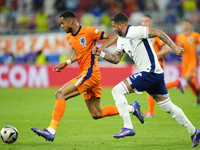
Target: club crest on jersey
(191,40)
(82,40)
(152,40)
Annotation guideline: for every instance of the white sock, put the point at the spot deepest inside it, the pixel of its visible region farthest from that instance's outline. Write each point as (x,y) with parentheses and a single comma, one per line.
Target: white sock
(52,131)
(127,122)
(120,100)
(177,114)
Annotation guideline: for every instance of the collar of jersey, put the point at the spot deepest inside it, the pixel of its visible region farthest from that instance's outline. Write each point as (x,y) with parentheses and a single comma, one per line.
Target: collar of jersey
(127,29)
(77,31)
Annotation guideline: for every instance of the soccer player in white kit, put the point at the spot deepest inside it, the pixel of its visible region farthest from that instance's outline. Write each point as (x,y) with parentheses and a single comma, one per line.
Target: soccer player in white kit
(134,41)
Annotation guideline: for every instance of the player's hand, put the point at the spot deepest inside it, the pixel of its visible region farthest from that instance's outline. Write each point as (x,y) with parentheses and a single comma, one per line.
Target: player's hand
(96,51)
(102,48)
(179,51)
(59,67)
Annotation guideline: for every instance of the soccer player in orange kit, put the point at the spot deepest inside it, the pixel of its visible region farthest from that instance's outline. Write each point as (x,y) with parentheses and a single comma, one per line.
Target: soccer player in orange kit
(82,39)
(161,49)
(188,40)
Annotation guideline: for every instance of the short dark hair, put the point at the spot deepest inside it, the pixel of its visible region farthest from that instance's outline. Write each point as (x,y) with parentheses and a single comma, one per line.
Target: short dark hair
(148,16)
(67,14)
(120,18)
(186,20)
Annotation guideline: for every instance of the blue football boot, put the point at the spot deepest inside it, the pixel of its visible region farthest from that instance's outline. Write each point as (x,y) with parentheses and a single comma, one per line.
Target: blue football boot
(125,132)
(137,111)
(44,133)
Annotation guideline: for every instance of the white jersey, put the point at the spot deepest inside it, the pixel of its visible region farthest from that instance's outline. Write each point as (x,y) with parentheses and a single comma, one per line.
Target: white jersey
(137,45)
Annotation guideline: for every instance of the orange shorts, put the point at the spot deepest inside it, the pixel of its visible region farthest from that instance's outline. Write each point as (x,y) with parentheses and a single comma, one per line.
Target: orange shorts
(89,84)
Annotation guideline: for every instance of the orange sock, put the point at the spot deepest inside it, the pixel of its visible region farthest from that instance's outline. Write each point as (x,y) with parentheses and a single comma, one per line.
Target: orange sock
(57,113)
(172,84)
(151,103)
(194,86)
(109,110)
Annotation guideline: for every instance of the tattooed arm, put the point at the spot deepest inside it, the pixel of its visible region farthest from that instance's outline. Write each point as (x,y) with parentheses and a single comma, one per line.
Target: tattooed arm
(162,36)
(112,58)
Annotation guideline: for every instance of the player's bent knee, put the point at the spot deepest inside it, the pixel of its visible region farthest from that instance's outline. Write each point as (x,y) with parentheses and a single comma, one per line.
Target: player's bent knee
(119,89)
(96,116)
(59,95)
(114,90)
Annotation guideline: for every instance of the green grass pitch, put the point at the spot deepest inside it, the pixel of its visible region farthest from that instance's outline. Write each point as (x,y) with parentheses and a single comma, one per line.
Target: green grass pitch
(26,108)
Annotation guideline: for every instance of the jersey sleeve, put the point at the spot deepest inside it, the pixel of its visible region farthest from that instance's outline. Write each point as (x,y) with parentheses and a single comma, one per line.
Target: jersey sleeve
(137,32)
(96,34)
(119,45)
(68,40)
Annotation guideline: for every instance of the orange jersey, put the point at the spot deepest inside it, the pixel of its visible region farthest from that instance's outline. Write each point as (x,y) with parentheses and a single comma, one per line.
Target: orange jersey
(189,44)
(157,45)
(89,80)
(82,43)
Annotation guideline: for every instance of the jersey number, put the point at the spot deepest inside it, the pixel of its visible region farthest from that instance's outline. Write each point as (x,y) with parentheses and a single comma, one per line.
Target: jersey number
(137,74)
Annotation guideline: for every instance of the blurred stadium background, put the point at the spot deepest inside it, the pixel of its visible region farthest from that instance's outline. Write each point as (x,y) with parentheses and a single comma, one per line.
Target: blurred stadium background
(32,42)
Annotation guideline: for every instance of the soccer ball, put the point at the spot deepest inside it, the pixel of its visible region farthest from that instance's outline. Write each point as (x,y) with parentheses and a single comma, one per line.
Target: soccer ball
(9,134)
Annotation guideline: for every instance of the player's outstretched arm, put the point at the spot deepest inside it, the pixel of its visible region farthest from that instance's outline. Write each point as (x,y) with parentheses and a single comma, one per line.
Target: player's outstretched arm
(61,66)
(162,36)
(111,39)
(112,58)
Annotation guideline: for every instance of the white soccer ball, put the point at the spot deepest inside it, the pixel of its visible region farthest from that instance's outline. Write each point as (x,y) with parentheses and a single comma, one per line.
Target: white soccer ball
(9,134)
